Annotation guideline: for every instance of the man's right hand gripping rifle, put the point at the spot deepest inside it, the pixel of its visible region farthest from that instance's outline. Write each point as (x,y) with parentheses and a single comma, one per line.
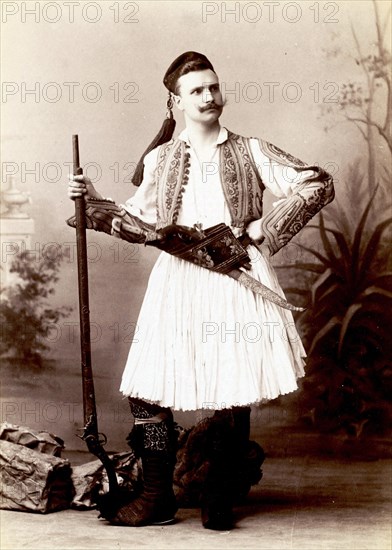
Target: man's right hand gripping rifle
(104,215)
(81,185)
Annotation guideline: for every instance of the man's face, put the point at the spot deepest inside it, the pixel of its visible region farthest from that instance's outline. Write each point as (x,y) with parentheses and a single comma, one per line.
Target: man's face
(199,96)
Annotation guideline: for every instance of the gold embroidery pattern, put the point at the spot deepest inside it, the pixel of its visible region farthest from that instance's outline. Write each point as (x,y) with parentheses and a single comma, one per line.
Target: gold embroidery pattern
(172,175)
(277,154)
(241,183)
(162,158)
(290,216)
(252,179)
(285,220)
(230,179)
(185,178)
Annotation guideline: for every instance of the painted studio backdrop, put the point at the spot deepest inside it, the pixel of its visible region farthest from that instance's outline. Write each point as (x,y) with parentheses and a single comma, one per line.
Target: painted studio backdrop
(310,77)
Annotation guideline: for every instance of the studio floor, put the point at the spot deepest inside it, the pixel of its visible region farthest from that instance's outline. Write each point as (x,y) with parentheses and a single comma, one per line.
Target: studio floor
(304,503)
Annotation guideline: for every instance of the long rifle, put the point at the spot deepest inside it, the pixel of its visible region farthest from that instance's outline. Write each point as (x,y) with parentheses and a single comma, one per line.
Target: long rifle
(90,431)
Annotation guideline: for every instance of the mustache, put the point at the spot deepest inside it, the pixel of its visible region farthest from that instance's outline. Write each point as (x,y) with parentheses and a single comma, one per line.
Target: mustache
(211,105)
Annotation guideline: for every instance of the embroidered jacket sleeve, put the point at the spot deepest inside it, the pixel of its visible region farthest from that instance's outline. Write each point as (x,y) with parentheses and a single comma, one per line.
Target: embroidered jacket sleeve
(133,221)
(302,190)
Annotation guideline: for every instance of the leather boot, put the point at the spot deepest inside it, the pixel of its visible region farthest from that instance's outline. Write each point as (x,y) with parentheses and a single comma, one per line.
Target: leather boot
(225,479)
(241,434)
(156,505)
(153,440)
(217,494)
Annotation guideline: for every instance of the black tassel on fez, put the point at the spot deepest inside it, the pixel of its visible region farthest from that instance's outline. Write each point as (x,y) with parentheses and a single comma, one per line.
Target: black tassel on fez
(163,136)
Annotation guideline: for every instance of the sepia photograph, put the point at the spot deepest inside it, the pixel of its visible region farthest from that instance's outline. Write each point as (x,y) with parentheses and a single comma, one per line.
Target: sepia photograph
(196,275)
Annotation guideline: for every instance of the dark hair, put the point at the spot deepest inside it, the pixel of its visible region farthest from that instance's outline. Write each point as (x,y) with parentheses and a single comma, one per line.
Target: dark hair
(191,66)
(183,64)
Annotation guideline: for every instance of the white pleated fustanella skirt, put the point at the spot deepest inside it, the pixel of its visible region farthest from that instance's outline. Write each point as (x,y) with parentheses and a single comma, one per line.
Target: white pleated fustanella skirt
(205,341)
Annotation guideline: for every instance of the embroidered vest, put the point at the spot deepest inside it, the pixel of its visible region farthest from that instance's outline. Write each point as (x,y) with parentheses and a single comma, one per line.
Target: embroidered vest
(241,182)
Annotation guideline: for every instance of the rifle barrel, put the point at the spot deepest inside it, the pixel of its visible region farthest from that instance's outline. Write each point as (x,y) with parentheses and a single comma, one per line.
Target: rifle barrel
(90,432)
(89,408)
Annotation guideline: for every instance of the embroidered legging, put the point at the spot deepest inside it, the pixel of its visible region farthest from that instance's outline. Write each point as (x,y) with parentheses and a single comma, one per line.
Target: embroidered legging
(155,424)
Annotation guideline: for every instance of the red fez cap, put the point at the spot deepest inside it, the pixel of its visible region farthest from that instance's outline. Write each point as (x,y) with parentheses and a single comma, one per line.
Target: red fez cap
(183,64)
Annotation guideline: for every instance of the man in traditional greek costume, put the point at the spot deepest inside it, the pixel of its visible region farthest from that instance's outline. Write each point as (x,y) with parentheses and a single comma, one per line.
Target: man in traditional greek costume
(192,347)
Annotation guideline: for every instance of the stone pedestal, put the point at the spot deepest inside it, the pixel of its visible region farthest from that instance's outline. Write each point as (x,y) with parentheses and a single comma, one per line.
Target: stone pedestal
(16,229)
